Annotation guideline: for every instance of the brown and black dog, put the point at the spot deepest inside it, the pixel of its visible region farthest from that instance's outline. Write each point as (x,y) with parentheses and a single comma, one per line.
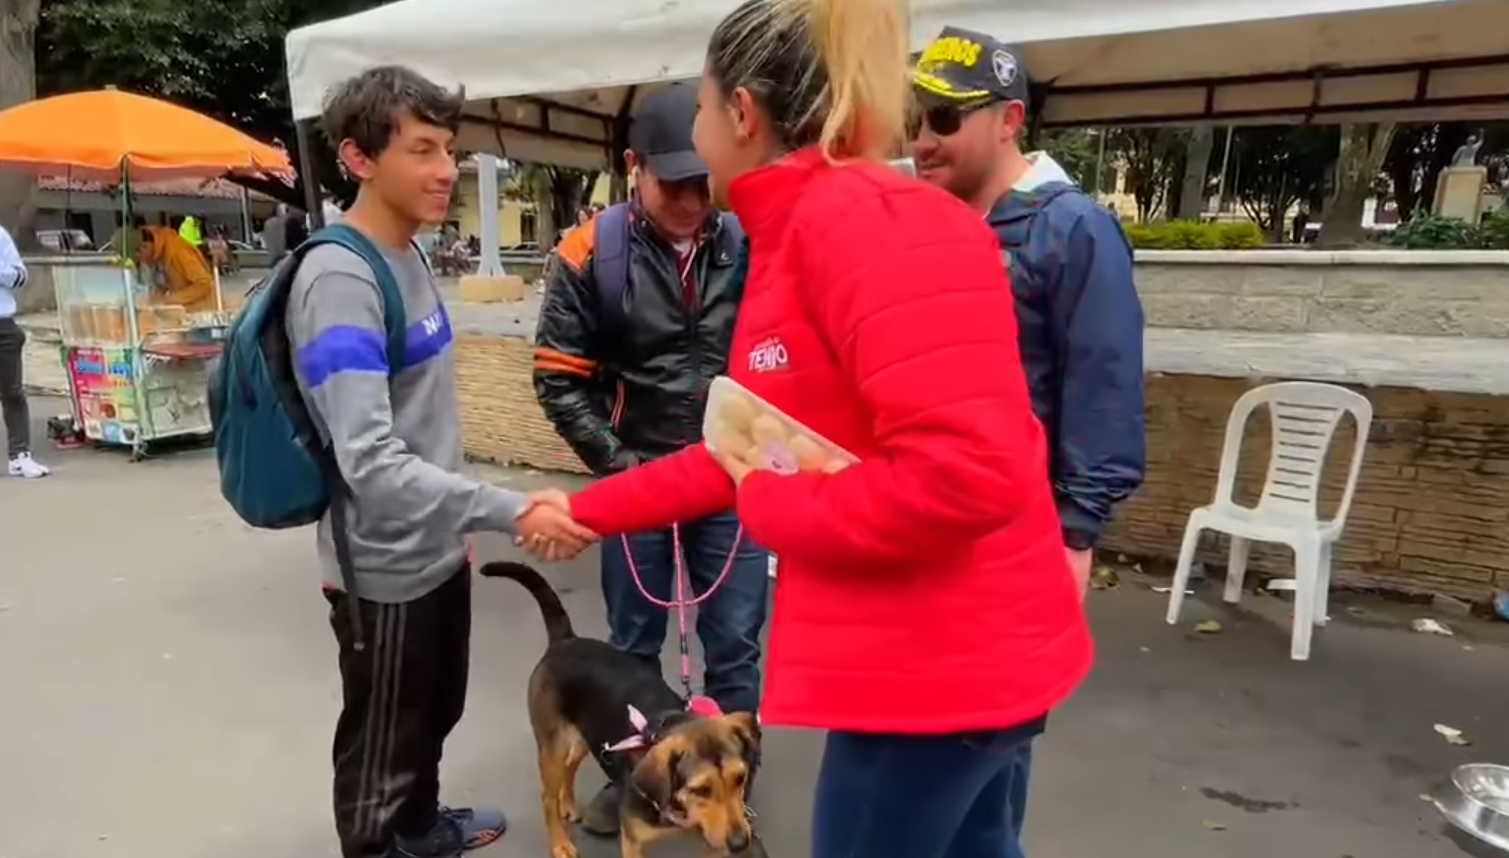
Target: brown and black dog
(683,772)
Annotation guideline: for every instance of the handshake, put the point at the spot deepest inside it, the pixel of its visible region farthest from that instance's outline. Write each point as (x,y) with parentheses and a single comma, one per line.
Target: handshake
(545,528)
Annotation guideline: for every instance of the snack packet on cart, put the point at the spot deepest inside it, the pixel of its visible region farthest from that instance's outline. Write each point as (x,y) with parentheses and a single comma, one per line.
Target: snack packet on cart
(741,424)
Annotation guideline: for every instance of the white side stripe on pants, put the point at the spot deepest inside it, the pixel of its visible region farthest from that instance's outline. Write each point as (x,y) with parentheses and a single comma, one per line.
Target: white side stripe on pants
(379,733)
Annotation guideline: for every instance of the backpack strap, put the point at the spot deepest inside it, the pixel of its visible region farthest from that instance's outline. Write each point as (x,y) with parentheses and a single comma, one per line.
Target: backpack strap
(394,322)
(610,259)
(1017,235)
(610,265)
(395,319)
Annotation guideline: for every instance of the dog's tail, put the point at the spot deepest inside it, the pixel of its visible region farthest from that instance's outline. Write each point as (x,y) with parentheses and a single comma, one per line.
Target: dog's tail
(557,621)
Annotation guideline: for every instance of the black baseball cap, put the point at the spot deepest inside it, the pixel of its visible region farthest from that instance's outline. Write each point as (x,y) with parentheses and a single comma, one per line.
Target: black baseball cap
(660,133)
(963,67)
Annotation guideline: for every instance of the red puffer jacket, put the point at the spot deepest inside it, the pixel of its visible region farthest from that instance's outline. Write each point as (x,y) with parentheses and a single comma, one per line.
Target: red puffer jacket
(925,589)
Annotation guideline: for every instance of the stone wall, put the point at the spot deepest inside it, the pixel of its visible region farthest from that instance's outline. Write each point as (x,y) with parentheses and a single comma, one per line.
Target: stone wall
(1431,513)
(1415,292)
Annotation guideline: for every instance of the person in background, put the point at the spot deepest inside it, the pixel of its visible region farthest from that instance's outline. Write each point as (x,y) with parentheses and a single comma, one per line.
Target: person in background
(460,255)
(183,272)
(622,371)
(189,231)
(1077,309)
(395,436)
(925,614)
(295,229)
(17,414)
(275,234)
(449,263)
(221,254)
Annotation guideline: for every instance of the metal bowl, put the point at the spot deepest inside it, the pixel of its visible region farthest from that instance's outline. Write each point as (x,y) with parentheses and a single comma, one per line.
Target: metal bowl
(1477,802)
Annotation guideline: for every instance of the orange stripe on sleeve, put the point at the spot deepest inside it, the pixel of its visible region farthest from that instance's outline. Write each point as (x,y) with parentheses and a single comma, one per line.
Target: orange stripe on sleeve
(545,365)
(549,354)
(577,245)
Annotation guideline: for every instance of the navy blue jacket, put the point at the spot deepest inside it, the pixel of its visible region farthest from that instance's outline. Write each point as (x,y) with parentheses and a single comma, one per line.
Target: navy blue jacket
(1079,322)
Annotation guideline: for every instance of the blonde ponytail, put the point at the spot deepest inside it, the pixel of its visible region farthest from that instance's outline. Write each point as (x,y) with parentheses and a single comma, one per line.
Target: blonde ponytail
(863,45)
(828,72)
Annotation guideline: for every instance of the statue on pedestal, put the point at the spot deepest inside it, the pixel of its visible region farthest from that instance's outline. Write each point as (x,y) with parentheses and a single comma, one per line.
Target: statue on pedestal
(1459,193)
(1467,154)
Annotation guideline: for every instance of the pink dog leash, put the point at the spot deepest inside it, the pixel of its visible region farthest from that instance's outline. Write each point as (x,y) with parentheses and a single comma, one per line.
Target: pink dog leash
(699,704)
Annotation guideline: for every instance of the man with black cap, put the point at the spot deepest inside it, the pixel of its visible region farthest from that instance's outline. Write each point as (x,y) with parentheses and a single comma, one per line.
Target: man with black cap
(1079,318)
(637,320)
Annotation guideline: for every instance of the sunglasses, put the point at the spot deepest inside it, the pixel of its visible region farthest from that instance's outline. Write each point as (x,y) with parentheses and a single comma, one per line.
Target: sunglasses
(945,120)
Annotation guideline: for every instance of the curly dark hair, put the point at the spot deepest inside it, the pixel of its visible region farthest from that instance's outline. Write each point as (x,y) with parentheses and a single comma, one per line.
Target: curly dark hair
(366,108)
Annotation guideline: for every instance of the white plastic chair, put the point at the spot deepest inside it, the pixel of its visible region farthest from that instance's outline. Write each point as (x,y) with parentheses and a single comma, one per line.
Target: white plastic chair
(1304,417)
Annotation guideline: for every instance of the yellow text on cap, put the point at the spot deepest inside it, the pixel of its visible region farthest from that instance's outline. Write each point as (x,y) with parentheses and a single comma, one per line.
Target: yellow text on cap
(950,50)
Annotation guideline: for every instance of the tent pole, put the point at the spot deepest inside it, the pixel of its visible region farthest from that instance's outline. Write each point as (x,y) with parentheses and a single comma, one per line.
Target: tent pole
(246,221)
(487,207)
(618,141)
(1225,167)
(303,128)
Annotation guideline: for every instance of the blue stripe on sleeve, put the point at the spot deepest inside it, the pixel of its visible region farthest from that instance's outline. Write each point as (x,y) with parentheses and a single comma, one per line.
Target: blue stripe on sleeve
(427,338)
(343,348)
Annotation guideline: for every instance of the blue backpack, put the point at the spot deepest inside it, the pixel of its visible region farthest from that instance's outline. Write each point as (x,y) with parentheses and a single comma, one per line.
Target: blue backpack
(610,261)
(1013,220)
(275,470)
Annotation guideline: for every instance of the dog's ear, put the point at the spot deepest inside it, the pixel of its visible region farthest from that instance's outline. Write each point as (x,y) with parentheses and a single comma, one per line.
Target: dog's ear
(747,728)
(664,722)
(656,776)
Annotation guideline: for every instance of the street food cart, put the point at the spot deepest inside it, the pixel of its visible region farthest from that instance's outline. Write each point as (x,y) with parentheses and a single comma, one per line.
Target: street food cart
(137,366)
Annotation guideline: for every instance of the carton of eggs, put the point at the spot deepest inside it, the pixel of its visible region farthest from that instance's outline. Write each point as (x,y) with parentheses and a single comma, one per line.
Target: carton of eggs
(742,425)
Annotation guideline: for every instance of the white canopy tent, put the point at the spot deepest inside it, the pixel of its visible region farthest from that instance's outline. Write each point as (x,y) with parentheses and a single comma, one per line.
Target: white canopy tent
(550,81)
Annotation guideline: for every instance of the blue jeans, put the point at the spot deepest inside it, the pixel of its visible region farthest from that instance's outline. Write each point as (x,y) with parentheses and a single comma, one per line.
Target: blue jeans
(728,623)
(962,795)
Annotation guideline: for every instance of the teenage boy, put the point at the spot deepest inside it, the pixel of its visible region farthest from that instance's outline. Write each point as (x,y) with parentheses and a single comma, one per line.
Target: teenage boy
(398,445)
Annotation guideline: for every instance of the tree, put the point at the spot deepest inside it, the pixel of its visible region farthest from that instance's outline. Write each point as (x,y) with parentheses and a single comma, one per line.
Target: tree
(1077,150)
(1152,157)
(1363,149)
(1421,150)
(224,59)
(18,85)
(557,193)
(1277,166)
(1194,185)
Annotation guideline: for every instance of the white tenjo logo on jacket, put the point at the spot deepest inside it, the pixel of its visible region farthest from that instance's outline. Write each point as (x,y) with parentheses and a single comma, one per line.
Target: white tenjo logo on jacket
(768,355)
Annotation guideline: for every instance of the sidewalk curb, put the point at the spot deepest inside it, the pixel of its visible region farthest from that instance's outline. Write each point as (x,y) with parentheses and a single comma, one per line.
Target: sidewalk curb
(41,390)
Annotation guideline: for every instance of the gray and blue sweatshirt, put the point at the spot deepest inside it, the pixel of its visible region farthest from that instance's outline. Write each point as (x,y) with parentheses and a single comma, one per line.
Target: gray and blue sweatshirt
(398,444)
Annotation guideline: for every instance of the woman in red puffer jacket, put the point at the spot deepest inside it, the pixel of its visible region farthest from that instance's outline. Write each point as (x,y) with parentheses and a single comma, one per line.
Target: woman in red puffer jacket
(925,614)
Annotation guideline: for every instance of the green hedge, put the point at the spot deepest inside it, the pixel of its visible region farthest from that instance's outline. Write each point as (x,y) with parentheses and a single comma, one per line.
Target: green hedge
(1195,235)
(1429,232)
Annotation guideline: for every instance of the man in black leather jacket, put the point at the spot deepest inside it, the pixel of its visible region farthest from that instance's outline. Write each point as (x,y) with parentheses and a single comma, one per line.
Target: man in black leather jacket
(637,320)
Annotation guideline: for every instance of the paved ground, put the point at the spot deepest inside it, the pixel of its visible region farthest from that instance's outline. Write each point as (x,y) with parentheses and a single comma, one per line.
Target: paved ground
(169,687)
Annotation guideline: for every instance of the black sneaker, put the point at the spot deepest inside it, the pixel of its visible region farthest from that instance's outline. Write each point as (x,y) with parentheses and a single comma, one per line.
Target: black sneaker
(456,830)
(601,816)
